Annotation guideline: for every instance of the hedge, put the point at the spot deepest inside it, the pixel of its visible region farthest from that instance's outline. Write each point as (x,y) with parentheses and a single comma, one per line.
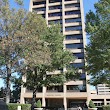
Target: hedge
(107,107)
(14,106)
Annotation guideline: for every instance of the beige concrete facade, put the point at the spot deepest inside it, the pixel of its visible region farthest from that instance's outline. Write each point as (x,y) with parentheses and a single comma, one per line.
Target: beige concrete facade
(71,17)
(101,96)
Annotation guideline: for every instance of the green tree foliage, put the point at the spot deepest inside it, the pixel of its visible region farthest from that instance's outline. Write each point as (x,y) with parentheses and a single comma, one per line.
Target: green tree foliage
(17,29)
(17,82)
(98,50)
(11,21)
(28,46)
(91,104)
(46,58)
(38,104)
(2,92)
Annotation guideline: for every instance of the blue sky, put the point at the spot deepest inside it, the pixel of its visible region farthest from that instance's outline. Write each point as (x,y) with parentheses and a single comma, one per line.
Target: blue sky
(88,5)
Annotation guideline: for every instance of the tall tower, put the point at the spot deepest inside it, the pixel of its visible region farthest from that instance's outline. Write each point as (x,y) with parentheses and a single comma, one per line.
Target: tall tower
(69,13)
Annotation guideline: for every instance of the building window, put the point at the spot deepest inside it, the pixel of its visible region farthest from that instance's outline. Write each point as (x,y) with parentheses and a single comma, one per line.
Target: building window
(68,0)
(73,20)
(72,5)
(55,7)
(55,14)
(55,89)
(69,37)
(83,76)
(53,1)
(39,9)
(76,88)
(72,12)
(39,3)
(73,28)
(74,46)
(55,22)
(79,55)
(77,65)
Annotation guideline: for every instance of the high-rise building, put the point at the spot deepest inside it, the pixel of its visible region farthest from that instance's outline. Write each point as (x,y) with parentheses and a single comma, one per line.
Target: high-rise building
(69,13)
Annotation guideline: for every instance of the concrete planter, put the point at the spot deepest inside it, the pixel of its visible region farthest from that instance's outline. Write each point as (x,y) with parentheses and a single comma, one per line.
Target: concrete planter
(92,109)
(38,108)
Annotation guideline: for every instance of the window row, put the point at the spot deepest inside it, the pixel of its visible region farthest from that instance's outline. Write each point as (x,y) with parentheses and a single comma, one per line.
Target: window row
(72,20)
(77,36)
(79,55)
(66,13)
(39,9)
(69,88)
(77,65)
(39,3)
(73,28)
(66,6)
(72,5)
(75,46)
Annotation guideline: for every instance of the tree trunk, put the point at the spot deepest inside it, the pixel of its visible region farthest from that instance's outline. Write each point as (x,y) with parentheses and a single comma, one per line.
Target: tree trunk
(8,84)
(8,90)
(33,99)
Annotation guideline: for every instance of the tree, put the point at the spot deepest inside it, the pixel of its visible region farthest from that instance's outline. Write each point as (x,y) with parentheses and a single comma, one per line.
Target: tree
(17,82)
(49,58)
(10,24)
(2,92)
(16,29)
(98,50)
(91,104)
(38,104)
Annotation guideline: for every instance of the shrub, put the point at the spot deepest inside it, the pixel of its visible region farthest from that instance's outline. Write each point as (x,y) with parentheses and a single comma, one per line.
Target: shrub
(13,106)
(107,107)
(91,104)
(38,104)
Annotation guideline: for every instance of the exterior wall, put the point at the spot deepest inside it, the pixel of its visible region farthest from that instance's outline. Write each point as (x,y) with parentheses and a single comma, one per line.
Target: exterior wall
(71,16)
(101,96)
(102,89)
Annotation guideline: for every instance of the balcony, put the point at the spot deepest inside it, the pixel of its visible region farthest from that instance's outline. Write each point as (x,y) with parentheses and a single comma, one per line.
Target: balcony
(55,4)
(72,24)
(54,18)
(29,95)
(73,41)
(39,6)
(41,12)
(76,50)
(54,95)
(79,82)
(54,11)
(78,61)
(72,8)
(77,95)
(72,32)
(72,16)
(70,2)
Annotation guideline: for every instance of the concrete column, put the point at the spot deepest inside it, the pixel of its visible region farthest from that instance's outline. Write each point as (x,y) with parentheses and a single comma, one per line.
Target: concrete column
(47,8)
(105,101)
(43,102)
(65,103)
(64,100)
(23,90)
(43,98)
(63,16)
(88,90)
(31,5)
(83,22)
(22,101)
